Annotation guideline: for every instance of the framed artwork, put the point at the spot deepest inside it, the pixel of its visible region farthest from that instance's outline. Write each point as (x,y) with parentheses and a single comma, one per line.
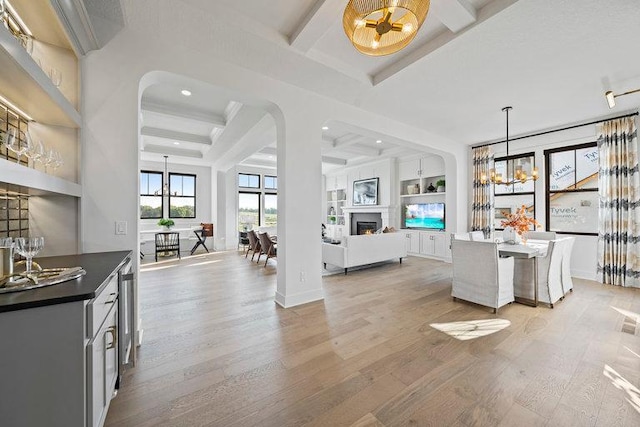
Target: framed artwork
(365,192)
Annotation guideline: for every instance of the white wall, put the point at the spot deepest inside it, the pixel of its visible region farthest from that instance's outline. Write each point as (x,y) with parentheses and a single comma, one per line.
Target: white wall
(113,80)
(584,257)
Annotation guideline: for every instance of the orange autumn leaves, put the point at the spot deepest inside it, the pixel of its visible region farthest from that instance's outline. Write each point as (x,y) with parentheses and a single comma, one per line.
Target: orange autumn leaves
(519,221)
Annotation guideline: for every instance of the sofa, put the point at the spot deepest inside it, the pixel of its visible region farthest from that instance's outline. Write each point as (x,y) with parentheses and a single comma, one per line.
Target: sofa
(360,250)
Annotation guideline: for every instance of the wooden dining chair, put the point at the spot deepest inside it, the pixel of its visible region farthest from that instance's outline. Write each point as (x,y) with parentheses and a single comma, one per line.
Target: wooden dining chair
(205,231)
(269,248)
(168,242)
(254,244)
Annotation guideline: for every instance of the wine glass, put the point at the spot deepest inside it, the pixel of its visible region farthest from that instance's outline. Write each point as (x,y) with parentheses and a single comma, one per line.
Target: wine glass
(56,160)
(36,152)
(18,144)
(29,247)
(46,159)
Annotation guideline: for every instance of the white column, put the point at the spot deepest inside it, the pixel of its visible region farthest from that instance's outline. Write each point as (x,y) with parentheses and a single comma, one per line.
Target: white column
(299,207)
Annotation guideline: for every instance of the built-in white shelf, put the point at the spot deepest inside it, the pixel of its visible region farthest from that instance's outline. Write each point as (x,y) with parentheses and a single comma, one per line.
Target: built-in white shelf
(24,83)
(36,182)
(442,193)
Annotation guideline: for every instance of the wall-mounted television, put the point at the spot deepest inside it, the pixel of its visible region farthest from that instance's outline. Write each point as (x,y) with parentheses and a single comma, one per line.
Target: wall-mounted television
(424,215)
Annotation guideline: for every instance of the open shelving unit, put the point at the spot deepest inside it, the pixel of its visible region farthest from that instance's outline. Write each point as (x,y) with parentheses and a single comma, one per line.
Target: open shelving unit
(53,196)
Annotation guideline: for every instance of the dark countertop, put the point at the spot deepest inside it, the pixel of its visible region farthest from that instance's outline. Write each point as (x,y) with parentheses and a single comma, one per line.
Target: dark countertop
(97,265)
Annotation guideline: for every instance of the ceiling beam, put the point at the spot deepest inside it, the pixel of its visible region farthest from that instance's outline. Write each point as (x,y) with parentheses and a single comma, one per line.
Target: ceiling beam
(334,160)
(213,119)
(159,149)
(483,15)
(328,144)
(348,140)
(271,151)
(455,14)
(316,23)
(175,136)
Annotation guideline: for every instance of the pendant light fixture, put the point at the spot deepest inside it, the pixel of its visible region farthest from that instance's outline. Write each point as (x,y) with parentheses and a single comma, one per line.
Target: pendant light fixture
(519,175)
(383,27)
(165,180)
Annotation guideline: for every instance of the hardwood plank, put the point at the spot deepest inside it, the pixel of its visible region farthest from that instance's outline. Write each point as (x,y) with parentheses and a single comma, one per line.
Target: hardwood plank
(218,351)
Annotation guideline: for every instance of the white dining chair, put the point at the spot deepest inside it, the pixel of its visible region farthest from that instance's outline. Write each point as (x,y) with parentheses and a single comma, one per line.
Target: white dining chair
(541,235)
(567,281)
(549,275)
(476,236)
(488,283)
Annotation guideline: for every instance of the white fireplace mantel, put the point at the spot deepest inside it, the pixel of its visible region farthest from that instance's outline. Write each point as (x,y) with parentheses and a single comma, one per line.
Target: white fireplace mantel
(387,212)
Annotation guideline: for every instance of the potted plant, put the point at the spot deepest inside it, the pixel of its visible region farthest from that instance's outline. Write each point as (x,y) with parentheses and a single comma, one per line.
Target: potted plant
(332,219)
(166,223)
(440,185)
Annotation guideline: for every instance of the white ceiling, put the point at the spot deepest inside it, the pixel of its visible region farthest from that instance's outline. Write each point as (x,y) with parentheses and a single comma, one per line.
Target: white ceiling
(552,60)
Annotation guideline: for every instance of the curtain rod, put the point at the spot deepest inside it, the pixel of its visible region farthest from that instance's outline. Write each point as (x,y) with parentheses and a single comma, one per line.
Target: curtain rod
(555,130)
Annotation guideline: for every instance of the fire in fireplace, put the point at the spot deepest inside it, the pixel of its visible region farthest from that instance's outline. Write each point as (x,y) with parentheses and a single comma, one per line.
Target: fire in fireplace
(366,227)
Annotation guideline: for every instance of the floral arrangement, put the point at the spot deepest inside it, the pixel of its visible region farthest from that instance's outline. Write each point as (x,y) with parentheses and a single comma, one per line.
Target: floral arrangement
(520,222)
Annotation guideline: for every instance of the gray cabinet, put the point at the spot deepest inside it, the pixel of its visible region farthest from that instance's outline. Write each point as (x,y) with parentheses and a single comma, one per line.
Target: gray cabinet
(62,360)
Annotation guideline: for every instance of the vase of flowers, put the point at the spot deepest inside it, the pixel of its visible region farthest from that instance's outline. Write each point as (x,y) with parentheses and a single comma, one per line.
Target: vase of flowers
(518,224)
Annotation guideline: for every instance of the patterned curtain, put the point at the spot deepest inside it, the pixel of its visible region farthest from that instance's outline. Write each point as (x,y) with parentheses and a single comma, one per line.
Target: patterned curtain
(481,210)
(619,208)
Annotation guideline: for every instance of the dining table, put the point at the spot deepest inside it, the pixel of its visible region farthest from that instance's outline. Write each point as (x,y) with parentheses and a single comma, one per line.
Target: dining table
(533,249)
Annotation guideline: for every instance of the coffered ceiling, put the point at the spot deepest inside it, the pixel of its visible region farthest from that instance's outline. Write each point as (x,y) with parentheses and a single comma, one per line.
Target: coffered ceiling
(551,59)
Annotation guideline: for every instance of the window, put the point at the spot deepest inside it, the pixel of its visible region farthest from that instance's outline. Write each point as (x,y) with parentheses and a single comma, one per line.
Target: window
(248,211)
(150,195)
(182,195)
(248,180)
(270,210)
(270,182)
(572,189)
(509,198)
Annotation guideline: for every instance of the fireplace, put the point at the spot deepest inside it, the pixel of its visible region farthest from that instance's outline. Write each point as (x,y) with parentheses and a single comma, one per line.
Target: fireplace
(366,227)
(365,223)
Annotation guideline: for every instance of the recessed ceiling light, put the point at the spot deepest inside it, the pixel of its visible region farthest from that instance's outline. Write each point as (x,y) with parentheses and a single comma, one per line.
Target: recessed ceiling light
(325,127)
(271,157)
(378,141)
(185,92)
(176,143)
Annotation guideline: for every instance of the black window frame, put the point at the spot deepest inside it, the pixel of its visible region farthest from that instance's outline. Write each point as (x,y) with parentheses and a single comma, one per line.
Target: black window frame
(154,195)
(270,189)
(525,193)
(250,174)
(549,192)
(256,193)
(194,197)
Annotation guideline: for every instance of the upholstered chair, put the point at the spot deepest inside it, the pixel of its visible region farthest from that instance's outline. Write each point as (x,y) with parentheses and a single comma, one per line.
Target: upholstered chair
(476,236)
(254,244)
(549,275)
(541,235)
(269,248)
(567,281)
(480,275)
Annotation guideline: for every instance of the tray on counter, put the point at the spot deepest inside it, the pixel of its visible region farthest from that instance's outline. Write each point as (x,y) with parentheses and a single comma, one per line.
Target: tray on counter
(38,279)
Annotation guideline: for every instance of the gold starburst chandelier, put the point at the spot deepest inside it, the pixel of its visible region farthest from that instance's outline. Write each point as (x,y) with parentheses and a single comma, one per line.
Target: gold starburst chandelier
(383,27)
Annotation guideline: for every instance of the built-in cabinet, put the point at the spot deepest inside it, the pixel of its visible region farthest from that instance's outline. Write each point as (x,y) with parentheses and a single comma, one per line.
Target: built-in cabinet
(64,358)
(427,243)
(29,83)
(336,201)
(417,175)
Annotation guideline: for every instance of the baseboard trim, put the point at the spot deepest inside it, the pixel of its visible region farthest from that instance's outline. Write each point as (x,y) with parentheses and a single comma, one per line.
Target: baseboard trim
(584,274)
(298,299)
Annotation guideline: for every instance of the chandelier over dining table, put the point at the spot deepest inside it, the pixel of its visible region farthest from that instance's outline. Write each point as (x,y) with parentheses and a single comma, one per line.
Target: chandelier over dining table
(515,173)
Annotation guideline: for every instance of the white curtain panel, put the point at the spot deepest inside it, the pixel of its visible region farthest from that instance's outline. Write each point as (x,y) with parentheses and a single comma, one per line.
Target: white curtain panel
(619,208)
(482,208)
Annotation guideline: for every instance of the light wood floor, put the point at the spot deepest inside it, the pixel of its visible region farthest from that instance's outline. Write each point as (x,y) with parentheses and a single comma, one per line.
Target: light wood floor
(218,351)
